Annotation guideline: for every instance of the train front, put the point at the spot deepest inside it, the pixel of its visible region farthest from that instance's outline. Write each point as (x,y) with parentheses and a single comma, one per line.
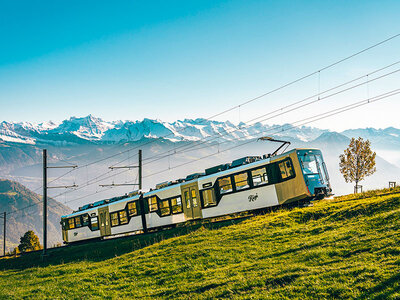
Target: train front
(315,173)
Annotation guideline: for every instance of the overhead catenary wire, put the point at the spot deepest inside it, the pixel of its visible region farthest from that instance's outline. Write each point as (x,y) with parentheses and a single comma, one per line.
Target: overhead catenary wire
(101,177)
(218,135)
(64,193)
(281,112)
(262,95)
(258,97)
(327,114)
(308,75)
(280,129)
(53,180)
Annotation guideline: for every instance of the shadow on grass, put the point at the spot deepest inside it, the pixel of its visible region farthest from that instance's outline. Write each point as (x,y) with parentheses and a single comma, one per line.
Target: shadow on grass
(384,289)
(96,251)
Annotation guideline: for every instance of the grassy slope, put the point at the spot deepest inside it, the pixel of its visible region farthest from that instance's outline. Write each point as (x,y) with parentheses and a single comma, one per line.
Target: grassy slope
(342,248)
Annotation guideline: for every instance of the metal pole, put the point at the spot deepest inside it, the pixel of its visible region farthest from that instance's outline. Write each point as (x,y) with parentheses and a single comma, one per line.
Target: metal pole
(5,216)
(140,169)
(44,201)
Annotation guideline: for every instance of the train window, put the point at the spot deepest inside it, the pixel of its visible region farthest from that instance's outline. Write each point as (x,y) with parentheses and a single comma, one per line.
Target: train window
(71,223)
(187,199)
(85,220)
(289,168)
(176,204)
(78,221)
(259,176)
(164,208)
(322,168)
(123,217)
(132,209)
(225,185)
(94,221)
(241,181)
(152,203)
(194,197)
(209,198)
(283,170)
(286,169)
(114,219)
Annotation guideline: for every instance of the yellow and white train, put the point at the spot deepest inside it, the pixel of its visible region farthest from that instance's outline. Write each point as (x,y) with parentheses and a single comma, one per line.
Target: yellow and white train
(246,184)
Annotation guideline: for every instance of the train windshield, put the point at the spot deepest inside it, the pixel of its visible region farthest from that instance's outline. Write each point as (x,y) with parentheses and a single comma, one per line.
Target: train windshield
(313,165)
(309,164)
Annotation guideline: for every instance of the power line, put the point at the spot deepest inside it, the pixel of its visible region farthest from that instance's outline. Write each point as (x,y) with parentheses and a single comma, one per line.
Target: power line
(248,101)
(101,177)
(191,148)
(262,95)
(59,177)
(301,123)
(309,75)
(333,112)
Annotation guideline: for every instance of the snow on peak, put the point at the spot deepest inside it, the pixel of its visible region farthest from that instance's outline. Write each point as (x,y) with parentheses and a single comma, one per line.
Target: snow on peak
(93,129)
(89,127)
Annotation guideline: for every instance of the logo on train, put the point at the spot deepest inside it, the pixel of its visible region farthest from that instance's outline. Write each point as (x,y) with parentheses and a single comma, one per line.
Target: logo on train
(253,198)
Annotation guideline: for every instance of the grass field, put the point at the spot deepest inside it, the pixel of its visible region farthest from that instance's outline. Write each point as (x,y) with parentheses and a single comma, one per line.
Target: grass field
(342,248)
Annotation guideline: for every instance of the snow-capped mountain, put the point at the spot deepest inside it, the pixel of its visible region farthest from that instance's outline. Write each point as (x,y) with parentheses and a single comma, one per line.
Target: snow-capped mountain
(88,128)
(95,130)
(92,130)
(86,139)
(388,138)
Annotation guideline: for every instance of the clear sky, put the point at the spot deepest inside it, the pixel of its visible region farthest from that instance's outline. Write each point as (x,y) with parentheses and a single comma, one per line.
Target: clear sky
(187,59)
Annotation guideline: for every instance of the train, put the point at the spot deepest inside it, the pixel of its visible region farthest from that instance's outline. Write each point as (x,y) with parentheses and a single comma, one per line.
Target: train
(250,183)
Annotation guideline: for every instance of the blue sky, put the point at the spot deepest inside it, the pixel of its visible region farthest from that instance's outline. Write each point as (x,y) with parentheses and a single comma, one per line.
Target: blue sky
(187,59)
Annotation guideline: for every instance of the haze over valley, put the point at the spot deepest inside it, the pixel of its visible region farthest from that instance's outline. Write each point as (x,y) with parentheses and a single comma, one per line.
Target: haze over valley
(193,145)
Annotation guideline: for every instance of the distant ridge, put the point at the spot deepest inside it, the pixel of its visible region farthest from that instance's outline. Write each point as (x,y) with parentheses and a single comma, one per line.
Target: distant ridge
(14,197)
(90,129)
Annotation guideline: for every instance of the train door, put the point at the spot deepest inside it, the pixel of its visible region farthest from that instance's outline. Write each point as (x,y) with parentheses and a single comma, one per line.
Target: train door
(191,201)
(64,230)
(104,218)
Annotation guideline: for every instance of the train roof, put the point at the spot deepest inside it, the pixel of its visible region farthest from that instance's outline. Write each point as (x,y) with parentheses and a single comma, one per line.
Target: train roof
(219,169)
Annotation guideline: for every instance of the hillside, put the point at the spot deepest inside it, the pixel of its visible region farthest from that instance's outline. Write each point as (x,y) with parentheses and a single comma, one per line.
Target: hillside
(342,248)
(15,197)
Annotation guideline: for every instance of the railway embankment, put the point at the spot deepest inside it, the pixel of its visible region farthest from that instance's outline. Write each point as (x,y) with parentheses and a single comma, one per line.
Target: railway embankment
(347,247)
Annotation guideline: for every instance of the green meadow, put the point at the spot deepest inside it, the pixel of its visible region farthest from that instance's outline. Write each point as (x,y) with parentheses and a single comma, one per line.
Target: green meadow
(348,247)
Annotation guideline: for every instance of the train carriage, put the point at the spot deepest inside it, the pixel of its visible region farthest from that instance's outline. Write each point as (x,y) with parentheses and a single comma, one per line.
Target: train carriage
(246,184)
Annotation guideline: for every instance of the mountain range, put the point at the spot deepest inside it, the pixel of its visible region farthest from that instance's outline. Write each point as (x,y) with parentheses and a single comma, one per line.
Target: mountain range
(91,129)
(86,139)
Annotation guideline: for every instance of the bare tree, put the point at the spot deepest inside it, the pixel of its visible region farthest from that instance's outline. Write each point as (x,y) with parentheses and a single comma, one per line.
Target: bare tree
(358,161)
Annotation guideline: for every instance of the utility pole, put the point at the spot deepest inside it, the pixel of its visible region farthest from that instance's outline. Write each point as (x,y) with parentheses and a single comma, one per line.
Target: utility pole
(45,187)
(139,185)
(140,169)
(5,222)
(139,166)
(44,201)
(4,235)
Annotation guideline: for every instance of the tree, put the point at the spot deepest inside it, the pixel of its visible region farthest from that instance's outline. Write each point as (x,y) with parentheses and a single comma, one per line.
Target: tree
(29,242)
(358,161)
